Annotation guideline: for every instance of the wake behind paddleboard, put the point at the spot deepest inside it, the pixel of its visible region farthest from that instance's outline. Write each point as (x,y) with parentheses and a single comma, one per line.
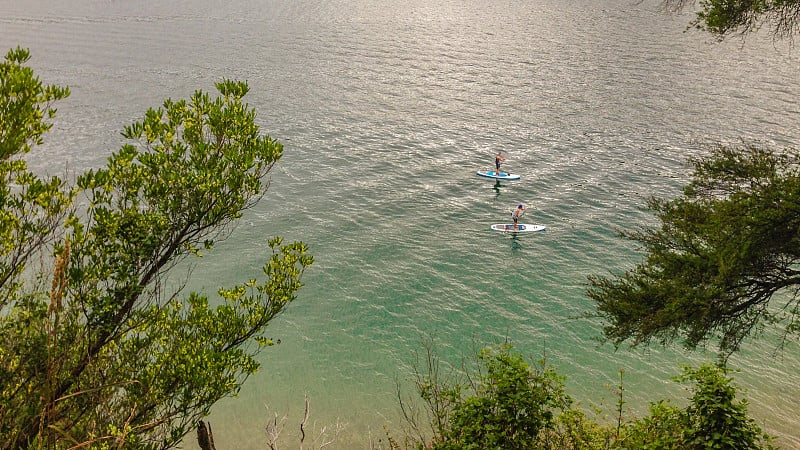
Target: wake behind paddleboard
(497,175)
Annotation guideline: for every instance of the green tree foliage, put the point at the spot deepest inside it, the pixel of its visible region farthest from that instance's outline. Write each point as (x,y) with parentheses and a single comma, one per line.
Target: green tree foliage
(24,103)
(712,420)
(97,345)
(724,250)
(510,405)
(723,18)
(505,404)
(31,207)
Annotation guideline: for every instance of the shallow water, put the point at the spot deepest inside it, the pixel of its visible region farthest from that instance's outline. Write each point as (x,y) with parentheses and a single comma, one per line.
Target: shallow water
(386,112)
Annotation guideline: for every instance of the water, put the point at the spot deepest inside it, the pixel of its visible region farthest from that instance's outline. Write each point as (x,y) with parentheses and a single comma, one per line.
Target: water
(386,111)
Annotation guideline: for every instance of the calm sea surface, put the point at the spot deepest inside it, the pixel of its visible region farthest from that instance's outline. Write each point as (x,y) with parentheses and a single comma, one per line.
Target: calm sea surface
(386,110)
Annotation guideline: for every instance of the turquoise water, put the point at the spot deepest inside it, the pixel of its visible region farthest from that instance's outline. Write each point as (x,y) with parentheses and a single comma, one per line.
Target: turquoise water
(386,112)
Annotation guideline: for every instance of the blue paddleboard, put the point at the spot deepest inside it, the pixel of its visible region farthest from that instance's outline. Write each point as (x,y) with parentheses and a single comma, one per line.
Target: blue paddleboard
(497,175)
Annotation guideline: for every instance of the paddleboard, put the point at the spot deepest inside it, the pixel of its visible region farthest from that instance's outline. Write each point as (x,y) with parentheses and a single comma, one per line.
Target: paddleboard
(521,228)
(497,175)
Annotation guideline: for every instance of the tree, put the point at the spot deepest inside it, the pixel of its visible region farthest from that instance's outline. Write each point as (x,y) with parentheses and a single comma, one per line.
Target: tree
(723,18)
(506,404)
(712,420)
(509,404)
(724,251)
(111,350)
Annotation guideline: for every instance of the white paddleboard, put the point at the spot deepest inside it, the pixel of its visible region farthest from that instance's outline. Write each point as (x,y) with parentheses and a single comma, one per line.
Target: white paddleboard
(497,175)
(520,228)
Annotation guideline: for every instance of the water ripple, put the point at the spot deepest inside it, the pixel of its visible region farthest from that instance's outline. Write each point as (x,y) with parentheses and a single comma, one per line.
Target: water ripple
(386,111)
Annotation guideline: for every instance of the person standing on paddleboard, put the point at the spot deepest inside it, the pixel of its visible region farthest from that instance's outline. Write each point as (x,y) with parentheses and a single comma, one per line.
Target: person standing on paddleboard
(497,160)
(516,214)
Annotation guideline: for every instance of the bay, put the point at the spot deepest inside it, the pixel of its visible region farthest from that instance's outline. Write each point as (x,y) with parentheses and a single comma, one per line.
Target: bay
(386,111)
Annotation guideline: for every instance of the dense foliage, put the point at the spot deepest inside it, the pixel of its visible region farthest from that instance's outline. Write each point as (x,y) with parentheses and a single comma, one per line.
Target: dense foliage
(712,420)
(723,252)
(97,345)
(510,404)
(727,17)
(505,404)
